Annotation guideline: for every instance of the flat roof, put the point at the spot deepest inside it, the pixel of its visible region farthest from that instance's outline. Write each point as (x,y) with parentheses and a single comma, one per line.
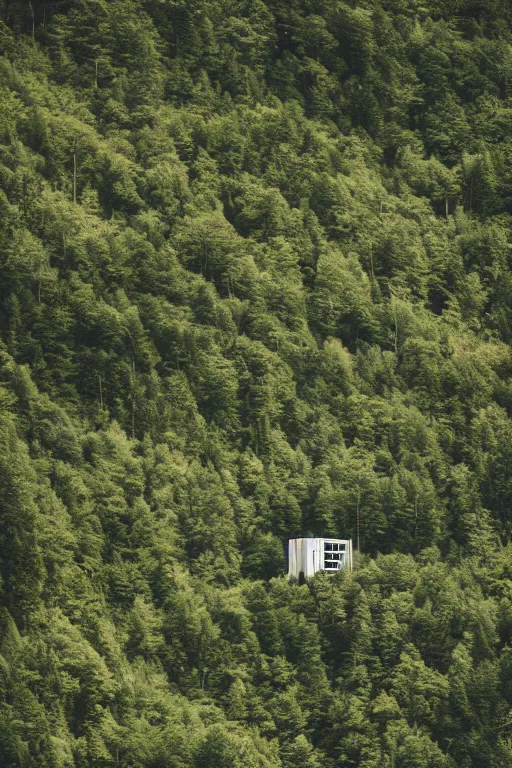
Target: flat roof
(314,538)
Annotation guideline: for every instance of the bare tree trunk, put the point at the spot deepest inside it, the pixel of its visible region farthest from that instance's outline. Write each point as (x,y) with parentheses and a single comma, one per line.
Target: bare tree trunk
(33,19)
(74,173)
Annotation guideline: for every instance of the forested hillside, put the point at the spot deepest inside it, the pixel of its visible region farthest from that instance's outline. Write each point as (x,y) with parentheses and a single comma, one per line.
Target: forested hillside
(256,282)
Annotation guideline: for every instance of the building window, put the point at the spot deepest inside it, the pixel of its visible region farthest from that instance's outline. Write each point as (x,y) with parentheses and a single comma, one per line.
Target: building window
(334,555)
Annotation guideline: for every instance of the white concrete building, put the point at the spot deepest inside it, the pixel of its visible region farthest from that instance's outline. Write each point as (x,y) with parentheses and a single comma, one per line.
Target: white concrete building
(312,555)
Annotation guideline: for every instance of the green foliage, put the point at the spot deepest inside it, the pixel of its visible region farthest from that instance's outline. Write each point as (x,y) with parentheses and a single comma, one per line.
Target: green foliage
(255,281)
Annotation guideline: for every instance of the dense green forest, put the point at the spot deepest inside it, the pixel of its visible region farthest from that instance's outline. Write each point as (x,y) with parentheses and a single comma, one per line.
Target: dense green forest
(255,282)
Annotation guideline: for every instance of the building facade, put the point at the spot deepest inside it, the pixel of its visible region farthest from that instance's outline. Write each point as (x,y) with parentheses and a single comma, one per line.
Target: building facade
(312,555)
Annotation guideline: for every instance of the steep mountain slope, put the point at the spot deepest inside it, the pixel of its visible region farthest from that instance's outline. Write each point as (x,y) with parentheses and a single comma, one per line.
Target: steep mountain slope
(255,281)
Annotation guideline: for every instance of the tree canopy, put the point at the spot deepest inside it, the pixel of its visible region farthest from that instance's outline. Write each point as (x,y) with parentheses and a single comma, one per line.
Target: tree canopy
(256,282)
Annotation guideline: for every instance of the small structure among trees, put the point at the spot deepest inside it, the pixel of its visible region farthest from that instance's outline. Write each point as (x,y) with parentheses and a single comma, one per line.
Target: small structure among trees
(308,556)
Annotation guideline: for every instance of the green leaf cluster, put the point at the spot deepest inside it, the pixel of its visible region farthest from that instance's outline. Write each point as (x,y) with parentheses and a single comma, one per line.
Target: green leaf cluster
(255,283)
